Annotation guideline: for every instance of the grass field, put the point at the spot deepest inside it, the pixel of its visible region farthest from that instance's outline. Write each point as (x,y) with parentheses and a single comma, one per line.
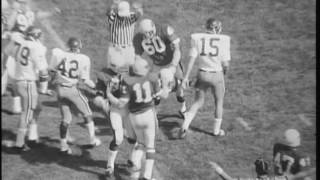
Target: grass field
(271,85)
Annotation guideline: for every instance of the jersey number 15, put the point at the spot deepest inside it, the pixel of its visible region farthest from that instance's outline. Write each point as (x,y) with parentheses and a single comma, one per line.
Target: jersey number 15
(209,47)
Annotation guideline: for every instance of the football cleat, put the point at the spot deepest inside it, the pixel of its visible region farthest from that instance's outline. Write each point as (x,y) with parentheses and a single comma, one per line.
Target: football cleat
(214,25)
(34,144)
(95,142)
(148,28)
(66,151)
(221,133)
(182,133)
(109,172)
(19,150)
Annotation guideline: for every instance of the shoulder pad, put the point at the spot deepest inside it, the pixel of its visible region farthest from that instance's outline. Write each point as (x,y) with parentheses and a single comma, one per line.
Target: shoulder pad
(56,51)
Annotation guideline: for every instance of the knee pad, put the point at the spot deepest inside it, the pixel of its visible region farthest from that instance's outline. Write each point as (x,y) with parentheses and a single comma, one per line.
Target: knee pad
(131,141)
(180,99)
(113,146)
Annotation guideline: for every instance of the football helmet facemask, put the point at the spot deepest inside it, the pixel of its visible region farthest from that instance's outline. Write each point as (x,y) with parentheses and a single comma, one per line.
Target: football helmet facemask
(74,44)
(148,28)
(214,25)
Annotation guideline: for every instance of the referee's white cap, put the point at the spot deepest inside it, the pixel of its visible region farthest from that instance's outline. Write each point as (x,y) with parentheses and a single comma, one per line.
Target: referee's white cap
(124,8)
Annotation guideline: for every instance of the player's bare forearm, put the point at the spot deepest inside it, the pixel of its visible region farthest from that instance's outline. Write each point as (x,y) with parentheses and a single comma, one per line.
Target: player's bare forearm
(176,55)
(190,66)
(137,8)
(225,66)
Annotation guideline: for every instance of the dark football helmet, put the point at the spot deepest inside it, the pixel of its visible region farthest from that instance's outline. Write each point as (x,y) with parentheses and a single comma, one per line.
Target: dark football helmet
(214,25)
(33,33)
(74,44)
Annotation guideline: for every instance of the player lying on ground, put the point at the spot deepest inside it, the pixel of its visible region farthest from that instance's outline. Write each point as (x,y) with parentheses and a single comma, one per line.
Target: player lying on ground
(212,50)
(289,163)
(160,46)
(71,68)
(142,89)
(29,53)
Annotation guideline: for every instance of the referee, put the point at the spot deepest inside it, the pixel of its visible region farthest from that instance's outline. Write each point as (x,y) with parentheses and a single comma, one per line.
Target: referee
(121,28)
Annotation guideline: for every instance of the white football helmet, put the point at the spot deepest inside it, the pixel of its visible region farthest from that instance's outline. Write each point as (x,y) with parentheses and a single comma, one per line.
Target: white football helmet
(292,137)
(148,28)
(140,66)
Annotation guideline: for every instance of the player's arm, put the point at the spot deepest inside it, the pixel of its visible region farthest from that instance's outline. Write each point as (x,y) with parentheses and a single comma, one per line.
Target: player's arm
(175,41)
(118,102)
(226,55)
(85,75)
(112,11)
(137,9)
(41,64)
(193,53)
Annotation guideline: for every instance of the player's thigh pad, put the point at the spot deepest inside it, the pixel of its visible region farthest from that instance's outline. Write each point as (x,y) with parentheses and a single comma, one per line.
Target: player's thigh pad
(27,90)
(218,85)
(144,125)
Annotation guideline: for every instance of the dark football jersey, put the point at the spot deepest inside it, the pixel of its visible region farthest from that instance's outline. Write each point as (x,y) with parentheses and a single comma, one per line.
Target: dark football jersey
(118,88)
(288,159)
(141,92)
(159,48)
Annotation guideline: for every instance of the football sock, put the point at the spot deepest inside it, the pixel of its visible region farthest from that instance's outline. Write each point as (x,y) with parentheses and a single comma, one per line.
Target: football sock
(20,139)
(16,104)
(63,130)
(90,127)
(149,163)
(136,158)
(111,158)
(64,144)
(217,126)
(188,119)
(183,107)
(33,132)
(148,168)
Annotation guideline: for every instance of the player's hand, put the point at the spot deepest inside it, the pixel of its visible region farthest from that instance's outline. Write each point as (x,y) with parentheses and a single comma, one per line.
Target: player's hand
(185,83)
(48,92)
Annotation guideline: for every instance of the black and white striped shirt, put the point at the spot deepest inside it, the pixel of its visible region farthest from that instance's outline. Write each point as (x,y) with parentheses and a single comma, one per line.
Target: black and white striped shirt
(121,28)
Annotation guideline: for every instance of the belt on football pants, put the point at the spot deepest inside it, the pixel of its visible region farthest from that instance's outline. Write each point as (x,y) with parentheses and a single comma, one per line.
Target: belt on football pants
(209,71)
(121,46)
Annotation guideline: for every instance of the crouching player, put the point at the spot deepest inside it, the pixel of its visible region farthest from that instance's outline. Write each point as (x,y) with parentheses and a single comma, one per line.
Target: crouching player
(71,68)
(142,90)
(30,56)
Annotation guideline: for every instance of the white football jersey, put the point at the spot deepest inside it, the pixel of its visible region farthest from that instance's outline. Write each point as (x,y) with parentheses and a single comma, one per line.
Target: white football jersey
(69,67)
(211,49)
(30,56)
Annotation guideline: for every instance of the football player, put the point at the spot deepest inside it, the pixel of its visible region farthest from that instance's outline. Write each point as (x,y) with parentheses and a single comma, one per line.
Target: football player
(287,157)
(213,52)
(161,47)
(30,56)
(289,163)
(70,68)
(16,18)
(116,94)
(143,88)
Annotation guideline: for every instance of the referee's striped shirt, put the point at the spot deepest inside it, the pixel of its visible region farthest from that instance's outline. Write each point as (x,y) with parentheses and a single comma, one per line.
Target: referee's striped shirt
(122,28)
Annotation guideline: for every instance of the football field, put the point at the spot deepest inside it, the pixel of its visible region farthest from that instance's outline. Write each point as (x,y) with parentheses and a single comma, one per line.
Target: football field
(271,86)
